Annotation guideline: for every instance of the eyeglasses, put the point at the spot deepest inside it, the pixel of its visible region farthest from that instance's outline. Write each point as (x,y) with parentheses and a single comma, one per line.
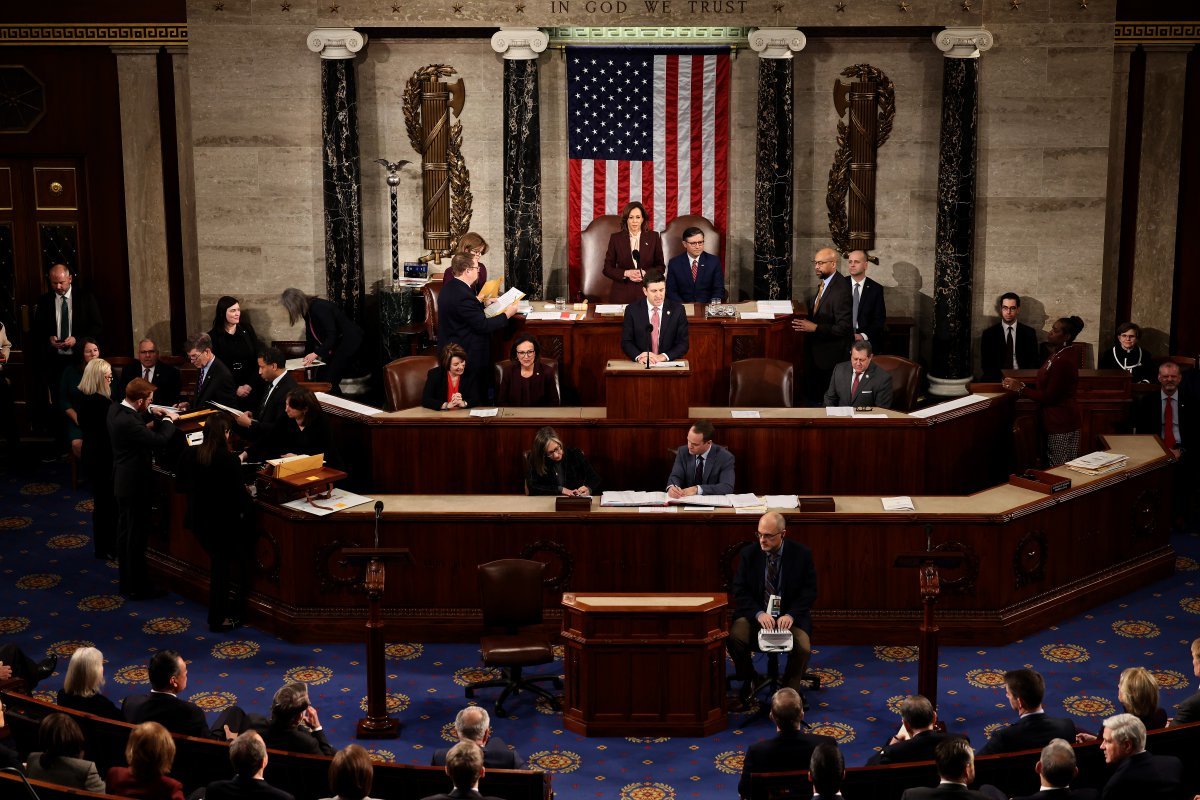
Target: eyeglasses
(695,242)
(526,352)
(769,535)
(195,356)
(146,352)
(555,450)
(826,261)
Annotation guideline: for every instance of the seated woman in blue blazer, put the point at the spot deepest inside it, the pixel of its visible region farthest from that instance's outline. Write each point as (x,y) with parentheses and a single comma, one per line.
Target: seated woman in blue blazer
(444,386)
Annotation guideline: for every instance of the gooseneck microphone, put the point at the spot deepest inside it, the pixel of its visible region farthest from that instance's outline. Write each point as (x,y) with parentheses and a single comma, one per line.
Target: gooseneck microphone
(649,333)
(378,516)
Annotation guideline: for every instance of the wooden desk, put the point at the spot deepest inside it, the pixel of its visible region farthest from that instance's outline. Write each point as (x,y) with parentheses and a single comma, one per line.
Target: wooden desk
(645,664)
(803,450)
(635,392)
(1033,559)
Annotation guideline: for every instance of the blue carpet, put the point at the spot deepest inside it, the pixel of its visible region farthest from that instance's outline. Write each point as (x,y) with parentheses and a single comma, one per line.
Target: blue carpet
(57,597)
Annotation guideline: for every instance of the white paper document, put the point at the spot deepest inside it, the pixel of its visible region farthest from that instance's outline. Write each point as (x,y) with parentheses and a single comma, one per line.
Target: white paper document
(631,498)
(698,508)
(774,306)
(744,413)
(339,500)
(610,308)
(949,405)
(554,315)
(756,315)
(484,412)
(504,301)
(298,363)
(897,504)
(869,416)
(669,365)
(348,405)
(237,412)
(781,501)
(1097,460)
(657,509)
(839,411)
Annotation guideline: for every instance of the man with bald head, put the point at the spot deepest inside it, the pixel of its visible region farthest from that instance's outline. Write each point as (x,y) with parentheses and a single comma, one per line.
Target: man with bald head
(829,329)
(65,315)
(474,725)
(774,589)
(868,312)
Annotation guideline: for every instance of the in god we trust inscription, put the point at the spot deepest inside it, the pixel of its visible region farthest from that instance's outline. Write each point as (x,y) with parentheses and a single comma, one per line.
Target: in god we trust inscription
(660,7)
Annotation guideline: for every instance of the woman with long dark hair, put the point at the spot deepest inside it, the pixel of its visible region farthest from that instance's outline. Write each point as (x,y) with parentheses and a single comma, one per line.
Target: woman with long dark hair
(555,469)
(60,758)
(1054,394)
(236,345)
(329,334)
(307,431)
(93,399)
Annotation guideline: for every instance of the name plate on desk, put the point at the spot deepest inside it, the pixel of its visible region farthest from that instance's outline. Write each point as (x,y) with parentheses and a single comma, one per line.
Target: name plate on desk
(1040,481)
(565,503)
(824,504)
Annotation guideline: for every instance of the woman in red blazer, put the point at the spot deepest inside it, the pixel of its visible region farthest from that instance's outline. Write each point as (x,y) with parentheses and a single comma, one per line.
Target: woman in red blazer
(1057,381)
(620,266)
(150,753)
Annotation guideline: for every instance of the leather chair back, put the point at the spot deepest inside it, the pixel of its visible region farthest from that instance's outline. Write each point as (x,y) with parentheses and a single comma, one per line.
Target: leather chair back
(510,593)
(761,382)
(290,348)
(672,236)
(906,380)
(546,362)
(431,291)
(593,245)
(404,380)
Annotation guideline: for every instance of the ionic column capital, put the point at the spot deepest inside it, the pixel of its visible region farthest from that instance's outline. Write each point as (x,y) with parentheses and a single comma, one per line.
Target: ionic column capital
(519,44)
(777,42)
(963,42)
(336,43)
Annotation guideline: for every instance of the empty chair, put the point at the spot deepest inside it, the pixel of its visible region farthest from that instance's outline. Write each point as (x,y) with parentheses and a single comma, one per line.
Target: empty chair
(762,383)
(431,291)
(593,245)
(906,380)
(404,380)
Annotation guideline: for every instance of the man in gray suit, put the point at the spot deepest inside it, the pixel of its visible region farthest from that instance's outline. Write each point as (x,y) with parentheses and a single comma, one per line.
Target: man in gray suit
(858,382)
(701,467)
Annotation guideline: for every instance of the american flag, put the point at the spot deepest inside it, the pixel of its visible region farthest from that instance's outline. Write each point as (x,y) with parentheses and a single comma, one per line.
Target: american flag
(648,124)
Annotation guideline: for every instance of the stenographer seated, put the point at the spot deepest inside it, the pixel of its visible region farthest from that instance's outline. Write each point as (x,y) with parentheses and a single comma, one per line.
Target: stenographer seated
(526,380)
(554,469)
(445,389)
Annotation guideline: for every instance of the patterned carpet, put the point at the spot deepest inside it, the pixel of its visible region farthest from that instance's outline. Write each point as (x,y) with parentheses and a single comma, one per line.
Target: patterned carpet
(56,597)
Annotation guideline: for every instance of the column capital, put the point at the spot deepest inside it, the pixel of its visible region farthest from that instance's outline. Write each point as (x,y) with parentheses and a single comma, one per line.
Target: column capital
(963,42)
(777,42)
(336,43)
(519,44)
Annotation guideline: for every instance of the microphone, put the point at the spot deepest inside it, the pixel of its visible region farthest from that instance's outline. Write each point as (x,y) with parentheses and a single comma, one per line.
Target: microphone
(649,333)
(21,775)
(378,515)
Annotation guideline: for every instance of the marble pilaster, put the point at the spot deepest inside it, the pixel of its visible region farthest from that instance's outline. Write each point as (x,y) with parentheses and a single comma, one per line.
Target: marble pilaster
(1118,117)
(341,171)
(145,214)
(773,178)
(187,196)
(954,251)
(522,157)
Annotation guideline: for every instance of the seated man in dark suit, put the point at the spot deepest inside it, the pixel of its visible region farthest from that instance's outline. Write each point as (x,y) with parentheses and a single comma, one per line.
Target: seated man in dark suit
(1169,414)
(701,467)
(917,738)
(264,427)
(956,769)
(656,329)
(1056,769)
(168,677)
(695,276)
(214,381)
(473,724)
(826,771)
(789,749)
(1034,730)
(294,725)
(1139,775)
(1008,344)
(859,381)
(464,765)
(248,754)
(774,588)
(166,379)
(1189,709)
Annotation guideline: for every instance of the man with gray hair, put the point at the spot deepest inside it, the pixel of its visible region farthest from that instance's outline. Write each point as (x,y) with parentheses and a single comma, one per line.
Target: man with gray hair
(1056,769)
(1138,774)
(918,736)
(789,749)
(248,754)
(294,724)
(472,724)
(464,765)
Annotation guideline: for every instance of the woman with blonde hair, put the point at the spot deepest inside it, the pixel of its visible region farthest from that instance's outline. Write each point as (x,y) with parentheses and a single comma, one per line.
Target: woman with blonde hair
(91,406)
(150,753)
(81,687)
(1137,691)
(474,245)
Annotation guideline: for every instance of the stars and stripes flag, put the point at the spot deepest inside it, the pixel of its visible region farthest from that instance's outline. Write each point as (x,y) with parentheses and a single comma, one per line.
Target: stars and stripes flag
(648,124)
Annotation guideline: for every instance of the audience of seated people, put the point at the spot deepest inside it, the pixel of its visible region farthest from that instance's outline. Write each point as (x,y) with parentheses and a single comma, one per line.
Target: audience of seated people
(248,755)
(168,677)
(150,754)
(60,759)
(82,685)
(1056,769)
(464,765)
(956,772)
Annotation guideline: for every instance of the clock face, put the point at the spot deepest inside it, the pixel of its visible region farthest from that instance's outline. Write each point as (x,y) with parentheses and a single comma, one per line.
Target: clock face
(22,99)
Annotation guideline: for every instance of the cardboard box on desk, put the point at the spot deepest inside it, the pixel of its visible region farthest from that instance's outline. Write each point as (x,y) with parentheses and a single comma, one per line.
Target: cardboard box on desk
(292,465)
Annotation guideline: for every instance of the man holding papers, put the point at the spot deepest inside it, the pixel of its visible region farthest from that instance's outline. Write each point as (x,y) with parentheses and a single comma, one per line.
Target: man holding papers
(656,329)
(462,321)
(701,467)
(774,589)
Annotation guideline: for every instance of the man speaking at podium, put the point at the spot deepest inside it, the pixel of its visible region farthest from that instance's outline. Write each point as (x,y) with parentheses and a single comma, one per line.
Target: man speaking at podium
(774,589)
(656,329)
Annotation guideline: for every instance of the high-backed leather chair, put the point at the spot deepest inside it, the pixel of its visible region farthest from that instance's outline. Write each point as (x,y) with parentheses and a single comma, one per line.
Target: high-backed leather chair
(906,380)
(404,380)
(552,363)
(510,594)
(762,383)
(593,245)
(431,291)
(672,237)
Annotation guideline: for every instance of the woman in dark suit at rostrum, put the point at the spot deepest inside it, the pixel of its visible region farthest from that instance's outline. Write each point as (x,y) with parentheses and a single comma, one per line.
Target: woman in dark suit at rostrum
(329,334)
(218,512)
(236,345)
(556,470)
(92,402)
(527,381)
(307,431)
(621,265)
(444,386)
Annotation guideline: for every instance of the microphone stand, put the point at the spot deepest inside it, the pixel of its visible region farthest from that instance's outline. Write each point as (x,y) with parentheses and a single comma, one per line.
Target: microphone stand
(21,775)
(650,333)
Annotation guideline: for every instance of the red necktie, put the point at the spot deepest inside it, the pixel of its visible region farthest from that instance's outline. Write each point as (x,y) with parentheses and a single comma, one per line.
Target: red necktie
(854,386)
(654,333)
(146,373)
(695,269)
(1169,423)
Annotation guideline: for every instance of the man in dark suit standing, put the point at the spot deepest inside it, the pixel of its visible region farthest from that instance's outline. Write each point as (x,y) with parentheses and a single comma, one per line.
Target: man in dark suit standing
(1025,690)
(168,677)
(789,749)
(868,311)
(859,381)
(1008,344)
(264,426)
(956,769)
(464,765)
(214,381)
(656,329)
(164,376)
(64,316)
(701,467)
(462,321)
(695,276)
(248,754)
(917,739)
(472,724)
(1189,709)
(774,589)
(829,329)
(1139,775)
(133,442)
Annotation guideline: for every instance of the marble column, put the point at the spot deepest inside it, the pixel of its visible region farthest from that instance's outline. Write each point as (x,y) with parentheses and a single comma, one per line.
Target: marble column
(954,243)
(773,161)
(187,193)
(1118,118)
(340,167)
(145,213)
(522,157)
(1158,193)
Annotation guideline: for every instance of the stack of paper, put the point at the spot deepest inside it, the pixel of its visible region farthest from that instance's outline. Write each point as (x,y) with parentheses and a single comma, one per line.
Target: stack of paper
(507,299)
(897,504)
(774,307)
(1097,463)
(610,308)
(619,499)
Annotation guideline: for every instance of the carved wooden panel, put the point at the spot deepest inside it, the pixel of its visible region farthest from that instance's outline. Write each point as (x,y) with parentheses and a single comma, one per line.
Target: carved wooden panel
(1029,558)
(561,581)
(55,189)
